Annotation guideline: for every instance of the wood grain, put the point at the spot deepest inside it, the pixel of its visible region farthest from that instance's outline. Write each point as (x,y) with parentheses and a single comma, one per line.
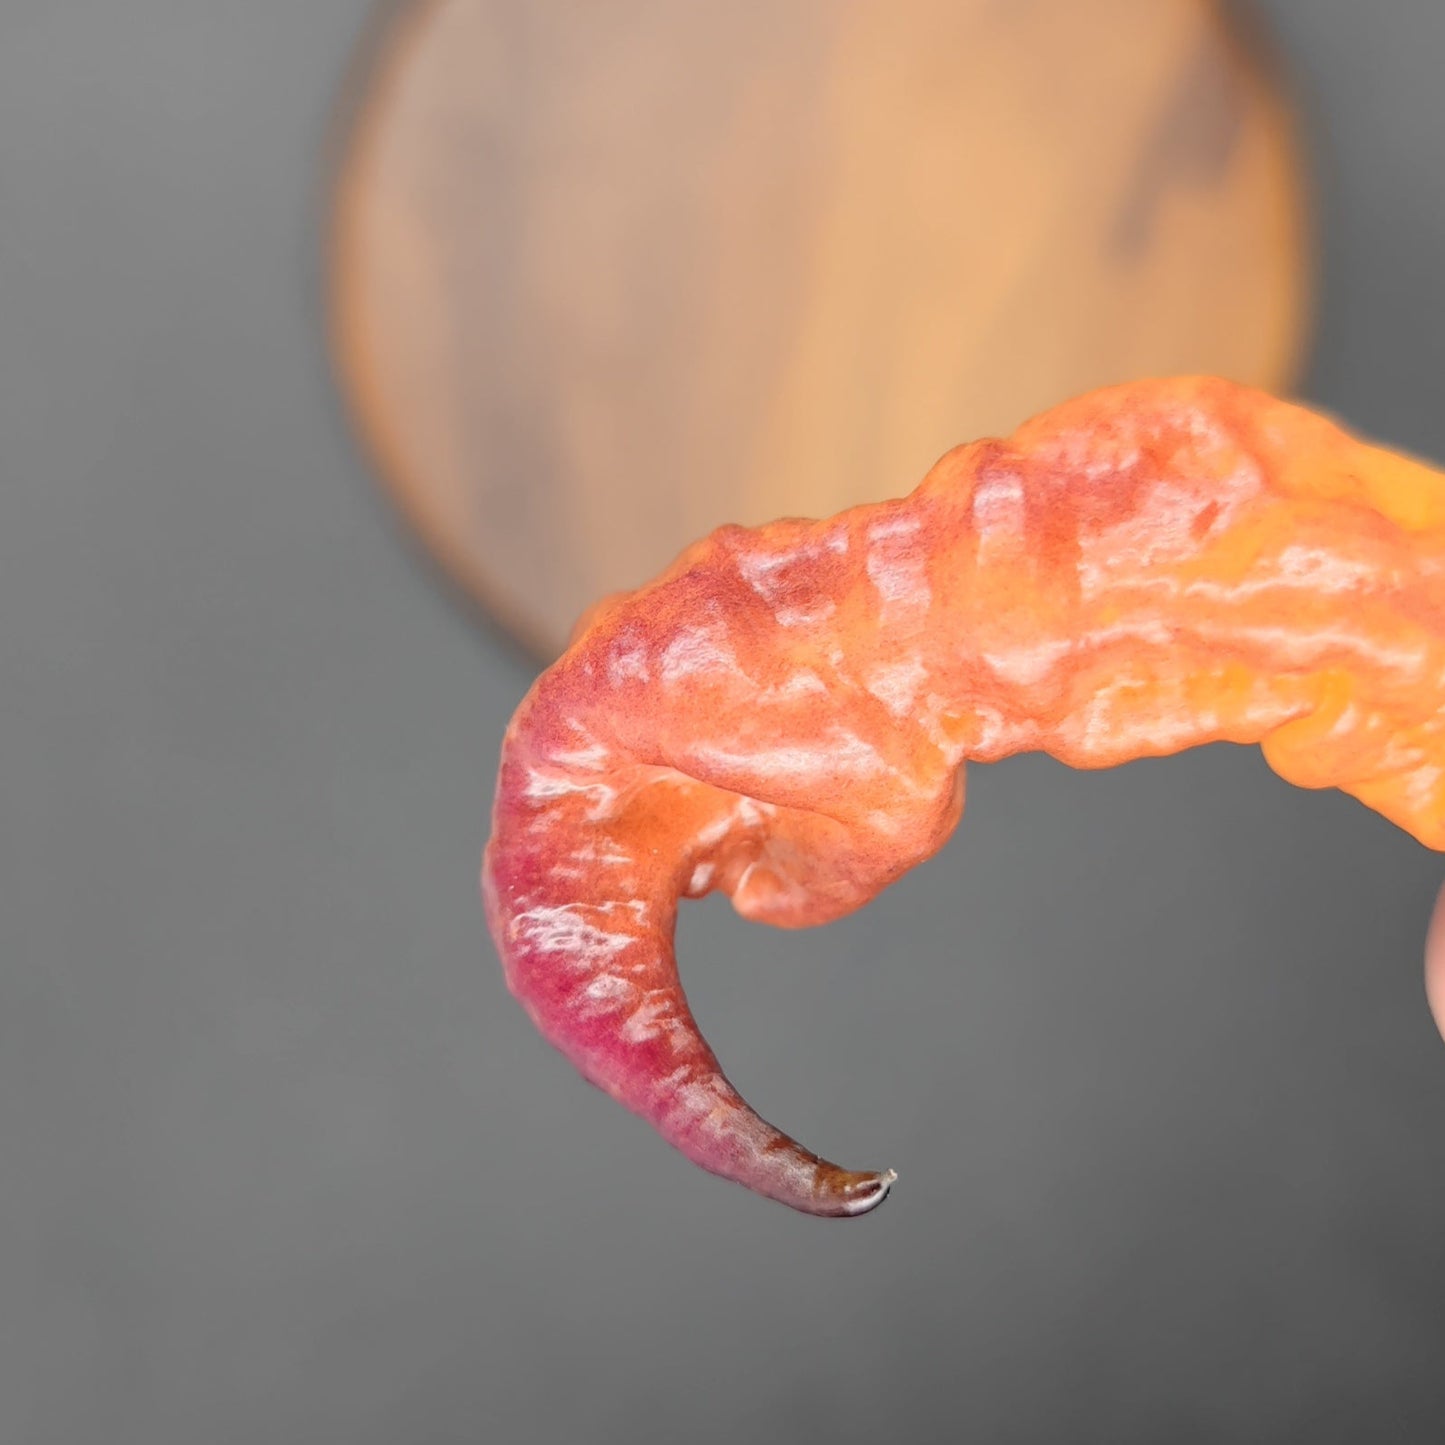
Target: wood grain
(606,276)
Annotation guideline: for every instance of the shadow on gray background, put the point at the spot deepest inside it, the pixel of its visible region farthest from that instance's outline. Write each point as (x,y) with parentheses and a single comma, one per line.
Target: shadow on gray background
(282,1160)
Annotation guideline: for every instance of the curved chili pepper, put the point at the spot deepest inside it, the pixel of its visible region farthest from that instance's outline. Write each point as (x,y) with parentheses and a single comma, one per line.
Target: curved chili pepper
(784,714)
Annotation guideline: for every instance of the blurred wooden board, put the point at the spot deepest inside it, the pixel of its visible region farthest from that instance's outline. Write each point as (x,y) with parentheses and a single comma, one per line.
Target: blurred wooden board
(605,276)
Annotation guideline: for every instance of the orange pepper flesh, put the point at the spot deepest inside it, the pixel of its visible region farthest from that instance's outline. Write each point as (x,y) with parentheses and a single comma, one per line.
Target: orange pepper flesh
(784,714)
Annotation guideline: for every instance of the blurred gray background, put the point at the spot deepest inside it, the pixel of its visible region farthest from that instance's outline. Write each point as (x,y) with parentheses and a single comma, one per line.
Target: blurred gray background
(279,1158)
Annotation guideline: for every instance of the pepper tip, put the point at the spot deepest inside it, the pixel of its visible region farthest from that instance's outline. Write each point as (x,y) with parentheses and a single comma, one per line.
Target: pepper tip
(870,1195)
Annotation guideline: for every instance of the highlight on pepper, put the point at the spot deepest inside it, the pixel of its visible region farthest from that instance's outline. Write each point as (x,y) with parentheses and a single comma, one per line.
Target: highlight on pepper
(784,714)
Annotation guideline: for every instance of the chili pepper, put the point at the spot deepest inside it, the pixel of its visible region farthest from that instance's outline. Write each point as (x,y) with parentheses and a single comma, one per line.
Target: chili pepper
(784,714)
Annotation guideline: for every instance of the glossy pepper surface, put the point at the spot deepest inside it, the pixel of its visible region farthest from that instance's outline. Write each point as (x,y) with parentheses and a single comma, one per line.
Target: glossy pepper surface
(785,713)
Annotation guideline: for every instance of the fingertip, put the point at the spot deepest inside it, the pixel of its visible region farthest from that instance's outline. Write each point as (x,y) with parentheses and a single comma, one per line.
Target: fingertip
(1435,963)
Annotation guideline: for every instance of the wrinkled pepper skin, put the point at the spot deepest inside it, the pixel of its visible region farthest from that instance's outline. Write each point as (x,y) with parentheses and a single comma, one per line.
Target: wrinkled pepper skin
(784,715)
